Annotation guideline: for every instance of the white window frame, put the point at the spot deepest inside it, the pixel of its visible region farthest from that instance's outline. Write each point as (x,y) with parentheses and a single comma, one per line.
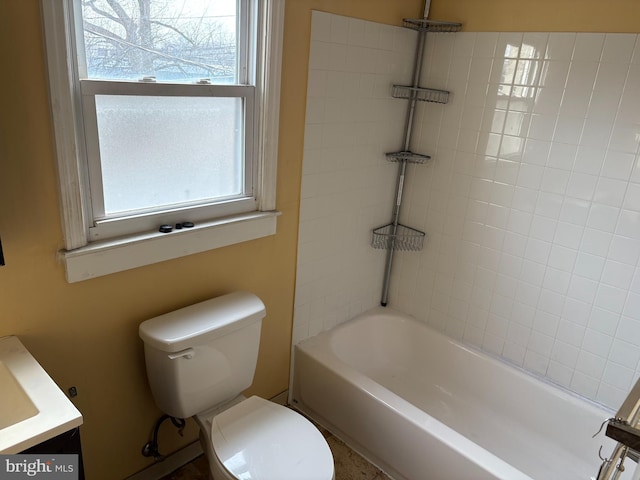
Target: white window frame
(116,226)
(85,254)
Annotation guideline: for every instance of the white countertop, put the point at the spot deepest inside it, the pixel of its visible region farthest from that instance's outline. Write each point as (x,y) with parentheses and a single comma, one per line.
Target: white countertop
(32,407)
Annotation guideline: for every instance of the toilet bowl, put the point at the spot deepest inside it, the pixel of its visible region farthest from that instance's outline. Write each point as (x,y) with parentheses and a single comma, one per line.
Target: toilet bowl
(258,439)
(199,360)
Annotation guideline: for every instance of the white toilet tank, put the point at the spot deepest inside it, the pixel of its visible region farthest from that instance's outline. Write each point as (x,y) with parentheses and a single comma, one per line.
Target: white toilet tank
(203,355)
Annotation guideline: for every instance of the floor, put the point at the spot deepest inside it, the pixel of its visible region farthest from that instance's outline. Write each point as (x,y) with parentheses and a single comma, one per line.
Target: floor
(348,465)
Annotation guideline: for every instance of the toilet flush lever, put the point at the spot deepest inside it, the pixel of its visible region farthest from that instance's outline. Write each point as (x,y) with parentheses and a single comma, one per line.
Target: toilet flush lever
(187,353)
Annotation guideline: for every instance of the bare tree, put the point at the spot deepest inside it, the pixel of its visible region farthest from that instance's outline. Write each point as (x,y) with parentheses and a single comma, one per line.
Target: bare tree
(136,38)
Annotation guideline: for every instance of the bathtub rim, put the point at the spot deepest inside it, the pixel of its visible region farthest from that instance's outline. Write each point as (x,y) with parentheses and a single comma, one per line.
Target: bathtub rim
(399,405)
(320,347)
(403,408)
(495,359)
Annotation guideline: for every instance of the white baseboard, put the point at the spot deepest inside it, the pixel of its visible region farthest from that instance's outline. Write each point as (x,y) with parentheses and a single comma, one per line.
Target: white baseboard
(170,463)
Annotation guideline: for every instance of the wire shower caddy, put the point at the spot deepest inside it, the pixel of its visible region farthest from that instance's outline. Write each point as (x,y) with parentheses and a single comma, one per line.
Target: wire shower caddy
(395,236)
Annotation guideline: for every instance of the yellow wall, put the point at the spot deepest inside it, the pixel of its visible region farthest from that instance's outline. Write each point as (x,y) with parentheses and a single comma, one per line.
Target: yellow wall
(541,15)
(85,334)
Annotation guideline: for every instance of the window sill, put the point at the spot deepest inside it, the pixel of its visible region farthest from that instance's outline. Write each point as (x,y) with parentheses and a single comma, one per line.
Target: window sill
(111,256)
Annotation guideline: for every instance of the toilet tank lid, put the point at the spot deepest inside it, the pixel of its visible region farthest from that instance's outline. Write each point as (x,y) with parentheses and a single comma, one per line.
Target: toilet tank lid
(177,330)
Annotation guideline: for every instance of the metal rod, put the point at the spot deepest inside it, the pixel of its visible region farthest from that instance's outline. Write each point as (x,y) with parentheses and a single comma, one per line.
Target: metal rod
(394,230)
(417,70)
(631,406)
(611,466)
(427,7)
(620,466)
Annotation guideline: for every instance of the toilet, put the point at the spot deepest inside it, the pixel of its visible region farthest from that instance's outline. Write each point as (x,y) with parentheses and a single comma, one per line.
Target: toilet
(199,360)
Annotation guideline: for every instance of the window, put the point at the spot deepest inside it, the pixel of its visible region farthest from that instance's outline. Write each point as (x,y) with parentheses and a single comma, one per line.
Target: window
(165,112)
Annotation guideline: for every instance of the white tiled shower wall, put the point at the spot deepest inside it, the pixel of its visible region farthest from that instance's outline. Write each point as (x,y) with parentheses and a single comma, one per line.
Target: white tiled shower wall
(531,203)
(347,185)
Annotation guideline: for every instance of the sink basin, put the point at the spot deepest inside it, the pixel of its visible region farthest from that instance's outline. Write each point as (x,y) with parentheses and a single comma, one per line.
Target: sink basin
(15,404)
(32,407)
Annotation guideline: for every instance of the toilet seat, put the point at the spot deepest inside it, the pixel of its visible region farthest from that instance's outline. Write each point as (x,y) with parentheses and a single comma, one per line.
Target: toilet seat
(260,440)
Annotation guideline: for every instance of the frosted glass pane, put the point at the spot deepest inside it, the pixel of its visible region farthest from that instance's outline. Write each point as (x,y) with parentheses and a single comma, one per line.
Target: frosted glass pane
(168,150)
(173,40)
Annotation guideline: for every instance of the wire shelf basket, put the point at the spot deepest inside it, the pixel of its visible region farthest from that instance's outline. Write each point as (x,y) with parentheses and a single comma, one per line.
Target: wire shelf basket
(405,238)
(421,94)
(408,157)
(424,25)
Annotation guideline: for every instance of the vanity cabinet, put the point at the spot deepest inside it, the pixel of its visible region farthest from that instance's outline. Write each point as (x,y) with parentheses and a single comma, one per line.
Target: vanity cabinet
(65,443)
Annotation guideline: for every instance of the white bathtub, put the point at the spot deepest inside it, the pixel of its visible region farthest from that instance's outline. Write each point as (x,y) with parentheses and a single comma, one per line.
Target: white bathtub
(421,406)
